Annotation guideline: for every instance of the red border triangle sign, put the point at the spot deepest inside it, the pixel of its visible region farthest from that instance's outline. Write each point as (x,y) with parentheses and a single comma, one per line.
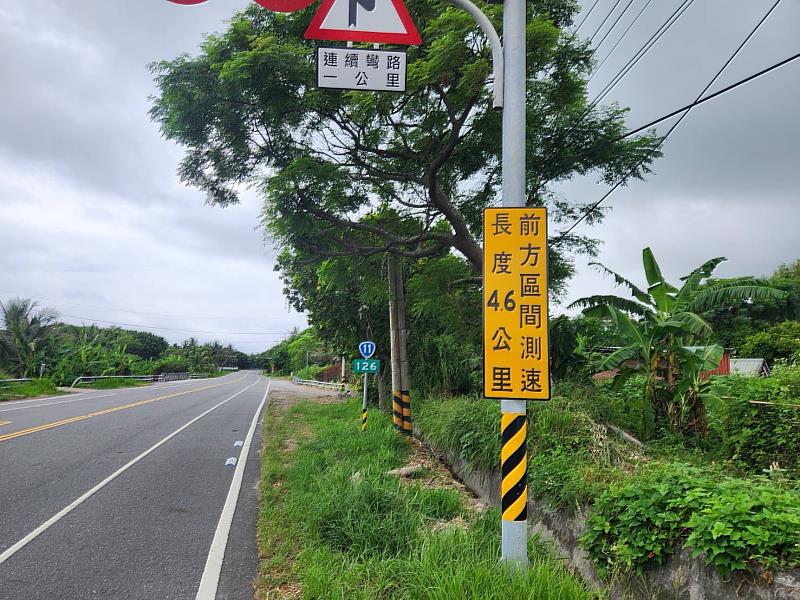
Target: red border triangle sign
(377,21)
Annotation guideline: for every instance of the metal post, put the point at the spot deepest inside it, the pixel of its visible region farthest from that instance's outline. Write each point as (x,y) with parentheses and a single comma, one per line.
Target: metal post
(364,405)
(514,415)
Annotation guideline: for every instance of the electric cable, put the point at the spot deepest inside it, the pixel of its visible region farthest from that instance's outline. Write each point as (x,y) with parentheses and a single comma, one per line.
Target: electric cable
(599,27)
(705,99)
(586,16)
(614,24)
(622,37)
(673,127)
(640,54)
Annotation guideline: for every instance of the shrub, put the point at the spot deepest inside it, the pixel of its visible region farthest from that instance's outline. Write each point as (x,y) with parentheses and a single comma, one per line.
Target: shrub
(732,521)
(779,341)
(311,372)
(743,523)
(757,435)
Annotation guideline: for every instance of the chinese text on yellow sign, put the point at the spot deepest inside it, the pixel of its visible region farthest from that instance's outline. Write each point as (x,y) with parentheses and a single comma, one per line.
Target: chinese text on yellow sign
(515,335)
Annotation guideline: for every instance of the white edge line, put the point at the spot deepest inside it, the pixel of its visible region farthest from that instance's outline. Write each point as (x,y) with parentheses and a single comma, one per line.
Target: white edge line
(8,553)
(216,555)
(5,410)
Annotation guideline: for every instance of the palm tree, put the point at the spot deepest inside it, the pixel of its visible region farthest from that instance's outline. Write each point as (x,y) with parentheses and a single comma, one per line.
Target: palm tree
(657,325)
(27,328)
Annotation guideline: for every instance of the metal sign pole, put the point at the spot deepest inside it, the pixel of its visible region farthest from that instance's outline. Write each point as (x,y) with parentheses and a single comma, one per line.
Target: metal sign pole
(514,416)
(364,405)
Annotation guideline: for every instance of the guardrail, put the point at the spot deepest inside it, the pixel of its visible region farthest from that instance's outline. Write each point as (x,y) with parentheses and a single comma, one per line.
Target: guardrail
(147,378)
(340,387)
(22,380)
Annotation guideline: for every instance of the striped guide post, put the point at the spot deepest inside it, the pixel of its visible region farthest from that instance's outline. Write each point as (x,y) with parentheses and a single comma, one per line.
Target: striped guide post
(397,409)
(363,419)
(514,486)
(405,399)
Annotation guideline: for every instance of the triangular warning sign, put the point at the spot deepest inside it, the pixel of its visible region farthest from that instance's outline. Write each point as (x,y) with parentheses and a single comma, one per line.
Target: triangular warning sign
(377,21)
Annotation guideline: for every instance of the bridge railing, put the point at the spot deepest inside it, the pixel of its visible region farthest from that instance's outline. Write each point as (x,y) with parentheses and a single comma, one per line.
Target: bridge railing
(329,385)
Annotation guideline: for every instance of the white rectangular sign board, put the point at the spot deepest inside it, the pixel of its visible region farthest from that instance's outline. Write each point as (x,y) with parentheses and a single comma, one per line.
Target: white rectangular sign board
(357,69)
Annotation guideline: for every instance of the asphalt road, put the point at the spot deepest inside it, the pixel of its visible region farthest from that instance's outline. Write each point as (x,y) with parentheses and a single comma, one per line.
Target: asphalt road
(126,493)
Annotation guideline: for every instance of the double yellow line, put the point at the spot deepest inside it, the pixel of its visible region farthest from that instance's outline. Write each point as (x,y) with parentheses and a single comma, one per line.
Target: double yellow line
(46,426)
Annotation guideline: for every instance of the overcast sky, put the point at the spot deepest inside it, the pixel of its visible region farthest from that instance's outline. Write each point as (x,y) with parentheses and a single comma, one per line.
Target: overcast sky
(95,222)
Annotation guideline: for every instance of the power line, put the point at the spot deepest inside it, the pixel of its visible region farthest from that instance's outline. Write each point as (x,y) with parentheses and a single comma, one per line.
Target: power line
(622,37)
(611,12)
(648,45)
(174,328)
(674,126)
(613,25)
(671,20)
(705,99)
(586,16)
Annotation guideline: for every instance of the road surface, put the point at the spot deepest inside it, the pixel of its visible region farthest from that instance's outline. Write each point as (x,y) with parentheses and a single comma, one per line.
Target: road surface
(133,493)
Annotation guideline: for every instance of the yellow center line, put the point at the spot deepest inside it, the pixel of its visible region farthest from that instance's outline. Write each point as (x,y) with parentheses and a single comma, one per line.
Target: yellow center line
(5,422)
(22,432)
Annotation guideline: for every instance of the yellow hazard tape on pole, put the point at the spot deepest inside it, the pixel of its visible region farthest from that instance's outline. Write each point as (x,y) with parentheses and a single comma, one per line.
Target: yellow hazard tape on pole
(364,420)
(514,467)
(397,409)
(406,406)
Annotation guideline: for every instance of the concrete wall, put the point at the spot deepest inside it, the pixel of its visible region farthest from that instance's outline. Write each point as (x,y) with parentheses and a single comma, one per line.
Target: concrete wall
(681,577)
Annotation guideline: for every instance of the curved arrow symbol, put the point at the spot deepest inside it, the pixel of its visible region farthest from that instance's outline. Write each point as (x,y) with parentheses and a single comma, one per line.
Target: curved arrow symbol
(354,4)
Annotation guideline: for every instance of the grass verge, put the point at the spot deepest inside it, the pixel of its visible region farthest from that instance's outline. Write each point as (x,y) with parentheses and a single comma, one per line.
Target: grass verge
(334,525)
(113,384)
(29,389)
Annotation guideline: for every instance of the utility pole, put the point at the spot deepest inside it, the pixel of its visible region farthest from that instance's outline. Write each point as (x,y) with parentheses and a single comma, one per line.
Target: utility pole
(402,334)
(397,408)
(514,420)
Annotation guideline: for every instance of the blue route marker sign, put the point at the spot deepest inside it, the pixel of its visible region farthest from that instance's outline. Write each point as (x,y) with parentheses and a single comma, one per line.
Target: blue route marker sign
(367,349)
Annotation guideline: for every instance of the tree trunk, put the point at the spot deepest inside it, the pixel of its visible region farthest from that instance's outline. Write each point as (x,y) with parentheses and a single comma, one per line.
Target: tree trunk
(380,383)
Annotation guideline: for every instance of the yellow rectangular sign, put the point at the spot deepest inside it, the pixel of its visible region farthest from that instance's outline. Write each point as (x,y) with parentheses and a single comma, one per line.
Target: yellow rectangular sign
(515,320)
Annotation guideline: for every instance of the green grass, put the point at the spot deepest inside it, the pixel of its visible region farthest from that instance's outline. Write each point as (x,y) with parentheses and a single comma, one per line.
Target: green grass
(30,389)
(112,384)
(324,533)
(572,460)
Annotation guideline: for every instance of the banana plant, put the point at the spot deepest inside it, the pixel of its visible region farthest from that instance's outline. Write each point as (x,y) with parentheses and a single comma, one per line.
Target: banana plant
(657,323)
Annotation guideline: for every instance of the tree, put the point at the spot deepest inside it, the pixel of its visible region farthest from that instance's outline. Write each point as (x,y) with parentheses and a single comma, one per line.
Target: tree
(365,174)
(781,341)
(27,329)
(788,271)
(658,324)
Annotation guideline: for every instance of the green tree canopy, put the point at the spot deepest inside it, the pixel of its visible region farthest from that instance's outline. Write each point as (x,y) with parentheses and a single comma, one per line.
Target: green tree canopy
(346,173)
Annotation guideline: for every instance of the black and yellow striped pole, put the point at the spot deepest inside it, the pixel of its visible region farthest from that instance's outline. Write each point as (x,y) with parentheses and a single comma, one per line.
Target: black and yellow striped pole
(405,406)
(364,405)
(514,485)
(397,409)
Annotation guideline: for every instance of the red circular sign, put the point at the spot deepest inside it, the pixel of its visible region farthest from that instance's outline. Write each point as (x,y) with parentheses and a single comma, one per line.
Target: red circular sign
(285,5)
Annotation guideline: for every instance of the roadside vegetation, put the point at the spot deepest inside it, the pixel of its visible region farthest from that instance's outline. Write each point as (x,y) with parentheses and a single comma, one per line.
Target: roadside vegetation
(28,389)
(716,469)
(34,342)
(112,384)
(333,524)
